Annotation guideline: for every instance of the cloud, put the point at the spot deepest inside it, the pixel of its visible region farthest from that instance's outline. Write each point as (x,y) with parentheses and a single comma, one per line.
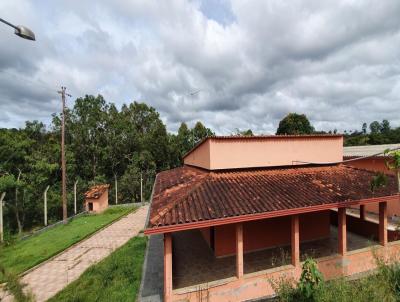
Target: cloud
(253,61)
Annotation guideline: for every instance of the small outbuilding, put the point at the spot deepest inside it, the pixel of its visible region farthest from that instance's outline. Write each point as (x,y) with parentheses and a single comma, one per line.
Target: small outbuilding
(96,198)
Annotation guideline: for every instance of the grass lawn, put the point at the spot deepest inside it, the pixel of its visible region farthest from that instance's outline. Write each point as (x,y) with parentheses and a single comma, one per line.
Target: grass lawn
(116,278)
(27,253)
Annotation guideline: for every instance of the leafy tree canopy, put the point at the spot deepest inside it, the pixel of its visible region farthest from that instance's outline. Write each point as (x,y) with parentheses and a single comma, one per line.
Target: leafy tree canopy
(294,124)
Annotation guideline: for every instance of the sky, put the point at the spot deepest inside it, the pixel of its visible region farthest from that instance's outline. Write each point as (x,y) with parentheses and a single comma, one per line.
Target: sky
(228,63)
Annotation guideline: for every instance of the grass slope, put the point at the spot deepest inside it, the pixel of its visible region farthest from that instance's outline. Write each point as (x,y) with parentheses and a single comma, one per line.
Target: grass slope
(27,253)
(116,278)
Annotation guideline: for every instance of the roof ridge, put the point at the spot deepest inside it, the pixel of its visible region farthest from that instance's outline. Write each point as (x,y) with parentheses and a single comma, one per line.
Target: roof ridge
(165,210)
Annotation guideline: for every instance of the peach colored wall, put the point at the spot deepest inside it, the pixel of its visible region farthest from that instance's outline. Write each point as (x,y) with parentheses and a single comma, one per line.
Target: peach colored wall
(365,228)
(261,234)
(199,157)
(393,208)
(314,225)
(258,285)
(99,204)
(265,152)
(372,164)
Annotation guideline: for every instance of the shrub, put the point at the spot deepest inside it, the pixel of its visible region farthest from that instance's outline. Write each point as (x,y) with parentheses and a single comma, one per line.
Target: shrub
(306,289)
(390,273)
(384,285)
(310,280)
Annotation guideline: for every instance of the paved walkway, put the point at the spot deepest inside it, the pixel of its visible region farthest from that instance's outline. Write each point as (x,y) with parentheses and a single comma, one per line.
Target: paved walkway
(53,275)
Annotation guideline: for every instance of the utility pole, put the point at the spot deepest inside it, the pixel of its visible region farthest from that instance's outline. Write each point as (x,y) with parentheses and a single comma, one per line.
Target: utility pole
(75,183)
(1,217)
(45,205)
(63,166)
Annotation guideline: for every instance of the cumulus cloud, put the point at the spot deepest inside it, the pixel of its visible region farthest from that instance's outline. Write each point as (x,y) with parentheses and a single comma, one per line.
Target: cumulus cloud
(251,61)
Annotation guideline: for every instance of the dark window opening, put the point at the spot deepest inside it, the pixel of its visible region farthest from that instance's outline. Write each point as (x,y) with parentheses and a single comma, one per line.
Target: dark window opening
(90,206)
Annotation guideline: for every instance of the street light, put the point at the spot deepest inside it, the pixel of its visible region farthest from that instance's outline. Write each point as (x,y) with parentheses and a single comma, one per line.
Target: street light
(21,31)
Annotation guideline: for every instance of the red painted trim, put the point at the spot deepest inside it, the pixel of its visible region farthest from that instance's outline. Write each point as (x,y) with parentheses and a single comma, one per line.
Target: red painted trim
(258,216)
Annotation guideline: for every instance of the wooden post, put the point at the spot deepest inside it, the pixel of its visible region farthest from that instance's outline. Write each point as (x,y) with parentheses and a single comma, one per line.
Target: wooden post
(362,212)
(141,188)
(383,238)
(75,183)
(239,250)
(295,241)
(167,267)
(342,236)
(1,217)
(116,189)
(45,205)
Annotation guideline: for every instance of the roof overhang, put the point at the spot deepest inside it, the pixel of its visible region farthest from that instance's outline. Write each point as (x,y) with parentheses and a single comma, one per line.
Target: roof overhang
(258,216)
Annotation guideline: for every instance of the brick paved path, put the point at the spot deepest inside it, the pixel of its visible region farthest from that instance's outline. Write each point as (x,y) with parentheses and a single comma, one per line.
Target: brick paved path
(53,275)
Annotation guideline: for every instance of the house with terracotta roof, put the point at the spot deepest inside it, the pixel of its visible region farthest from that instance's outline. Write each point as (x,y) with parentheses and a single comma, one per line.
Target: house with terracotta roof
(243,211)
(369,157)
(96,198)
(373,158)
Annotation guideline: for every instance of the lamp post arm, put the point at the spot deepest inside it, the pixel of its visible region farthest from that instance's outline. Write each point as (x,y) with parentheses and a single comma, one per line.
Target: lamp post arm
(8,23)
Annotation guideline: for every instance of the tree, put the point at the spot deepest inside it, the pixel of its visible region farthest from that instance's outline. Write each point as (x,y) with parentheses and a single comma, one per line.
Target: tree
(141,166)
(364,128)
(87,128)
(180,144)
(295,124)
(200,132)
(115,144)
(183,139)
(104,144)
(239,132)
(375,127)
(385,127)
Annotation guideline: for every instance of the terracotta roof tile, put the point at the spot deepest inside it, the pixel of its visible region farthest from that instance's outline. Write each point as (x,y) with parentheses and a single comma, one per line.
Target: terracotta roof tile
(96,191)
(187,194)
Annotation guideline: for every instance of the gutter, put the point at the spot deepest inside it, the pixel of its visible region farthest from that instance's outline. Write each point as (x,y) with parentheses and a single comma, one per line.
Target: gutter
(259,216)
(151,201)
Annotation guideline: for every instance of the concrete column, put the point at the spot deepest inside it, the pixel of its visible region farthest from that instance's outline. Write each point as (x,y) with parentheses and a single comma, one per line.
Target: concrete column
(362,212)
(167,267)
(295,241)
(342,236)
(383,238)
(239,250)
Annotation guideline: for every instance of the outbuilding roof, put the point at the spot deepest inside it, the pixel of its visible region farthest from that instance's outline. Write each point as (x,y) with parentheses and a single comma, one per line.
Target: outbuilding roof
(368,150)
(189,196)
(96,191)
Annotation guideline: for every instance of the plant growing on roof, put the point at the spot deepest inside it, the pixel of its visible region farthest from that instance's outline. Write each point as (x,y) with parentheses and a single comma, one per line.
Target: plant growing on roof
(393,163)
(379,180)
